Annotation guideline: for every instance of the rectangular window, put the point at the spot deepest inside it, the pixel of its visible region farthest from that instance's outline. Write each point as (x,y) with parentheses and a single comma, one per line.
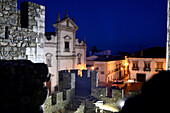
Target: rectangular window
(135,65)
(159,66)
(117,67)
(102,72)
(67,46)
(147,66)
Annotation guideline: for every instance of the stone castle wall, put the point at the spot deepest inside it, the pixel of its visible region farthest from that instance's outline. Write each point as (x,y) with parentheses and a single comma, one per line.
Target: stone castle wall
(56,102)
(16,40)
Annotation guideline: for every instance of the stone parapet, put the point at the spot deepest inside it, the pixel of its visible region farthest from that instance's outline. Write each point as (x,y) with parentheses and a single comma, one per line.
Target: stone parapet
(55,102)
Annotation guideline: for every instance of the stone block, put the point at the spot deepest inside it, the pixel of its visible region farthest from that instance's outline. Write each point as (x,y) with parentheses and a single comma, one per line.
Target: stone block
(59,96)
(19,36)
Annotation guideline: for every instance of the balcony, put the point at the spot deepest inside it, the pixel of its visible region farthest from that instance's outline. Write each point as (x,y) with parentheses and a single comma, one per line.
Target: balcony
(146,69)
(158,69)
(135,68)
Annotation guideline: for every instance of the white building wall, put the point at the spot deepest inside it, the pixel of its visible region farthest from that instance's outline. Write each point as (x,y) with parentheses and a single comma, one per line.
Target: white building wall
(62,42)
(83,58)
(52,70)
(101,67)
(50,48)
(153,66)
(109,68)
(66,64)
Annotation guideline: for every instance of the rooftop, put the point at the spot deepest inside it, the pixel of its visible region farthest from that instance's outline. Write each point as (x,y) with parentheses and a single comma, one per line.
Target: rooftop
(153,52)
(108,58)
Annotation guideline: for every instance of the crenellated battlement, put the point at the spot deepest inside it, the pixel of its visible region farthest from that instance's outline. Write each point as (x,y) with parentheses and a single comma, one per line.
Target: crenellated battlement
(81,43)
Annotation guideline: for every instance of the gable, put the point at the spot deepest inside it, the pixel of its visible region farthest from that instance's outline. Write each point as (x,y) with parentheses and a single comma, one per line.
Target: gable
(68,23)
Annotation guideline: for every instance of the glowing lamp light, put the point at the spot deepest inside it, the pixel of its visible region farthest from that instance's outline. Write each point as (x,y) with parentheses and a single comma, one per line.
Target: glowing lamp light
(131,81)
(105,107)
(121,68)
(120,103)
(92,68)
(108,108)
(126,64)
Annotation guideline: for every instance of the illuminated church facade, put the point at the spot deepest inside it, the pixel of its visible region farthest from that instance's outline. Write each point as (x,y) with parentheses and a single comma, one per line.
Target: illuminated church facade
(63,51)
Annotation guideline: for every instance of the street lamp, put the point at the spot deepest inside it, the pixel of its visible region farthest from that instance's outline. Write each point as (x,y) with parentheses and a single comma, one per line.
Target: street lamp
(92,67)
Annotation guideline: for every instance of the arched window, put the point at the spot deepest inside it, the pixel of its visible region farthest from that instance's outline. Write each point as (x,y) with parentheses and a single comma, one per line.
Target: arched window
(48,59)
(79,58)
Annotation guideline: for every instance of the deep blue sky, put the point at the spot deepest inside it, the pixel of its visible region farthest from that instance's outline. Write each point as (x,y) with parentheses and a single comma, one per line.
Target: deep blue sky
(118,25)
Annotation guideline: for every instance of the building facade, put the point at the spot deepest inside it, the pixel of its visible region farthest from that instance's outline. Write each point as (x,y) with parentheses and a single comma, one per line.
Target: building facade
(142,69)
(62,50)
(146,63)
(108,67)
(109,70)
(22,32)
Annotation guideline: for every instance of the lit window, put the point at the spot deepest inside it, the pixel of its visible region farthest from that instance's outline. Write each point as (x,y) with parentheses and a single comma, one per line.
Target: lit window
(159,66)
(147,66)
(135,65)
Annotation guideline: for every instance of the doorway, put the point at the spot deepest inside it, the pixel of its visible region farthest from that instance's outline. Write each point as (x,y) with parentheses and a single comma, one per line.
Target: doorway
(141,77)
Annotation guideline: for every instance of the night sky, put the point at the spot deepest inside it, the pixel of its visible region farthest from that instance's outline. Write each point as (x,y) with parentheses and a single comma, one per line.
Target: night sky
(118,25)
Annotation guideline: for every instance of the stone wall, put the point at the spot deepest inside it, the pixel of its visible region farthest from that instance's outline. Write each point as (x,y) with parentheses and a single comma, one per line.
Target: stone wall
(66,80)
(49,107)
(99,92)
(81,108)
(18,42)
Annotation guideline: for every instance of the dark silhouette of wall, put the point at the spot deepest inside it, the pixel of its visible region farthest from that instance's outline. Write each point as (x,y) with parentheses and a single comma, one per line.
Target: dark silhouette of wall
(22,86)
(154,97)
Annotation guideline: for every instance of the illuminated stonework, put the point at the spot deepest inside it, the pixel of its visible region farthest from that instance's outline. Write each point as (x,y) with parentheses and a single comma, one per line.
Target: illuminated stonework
(22,32)
(168,38)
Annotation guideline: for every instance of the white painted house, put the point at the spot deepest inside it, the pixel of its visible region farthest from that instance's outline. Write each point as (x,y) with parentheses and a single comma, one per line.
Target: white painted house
(108,67)
(146,63)
(62,50)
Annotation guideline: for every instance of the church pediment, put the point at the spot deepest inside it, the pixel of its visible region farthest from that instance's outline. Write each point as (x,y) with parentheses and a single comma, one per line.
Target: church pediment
(68,22)
(67,37)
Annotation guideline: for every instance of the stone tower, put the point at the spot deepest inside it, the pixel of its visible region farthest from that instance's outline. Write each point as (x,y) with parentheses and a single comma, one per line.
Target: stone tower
(22,32)
(168,38)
